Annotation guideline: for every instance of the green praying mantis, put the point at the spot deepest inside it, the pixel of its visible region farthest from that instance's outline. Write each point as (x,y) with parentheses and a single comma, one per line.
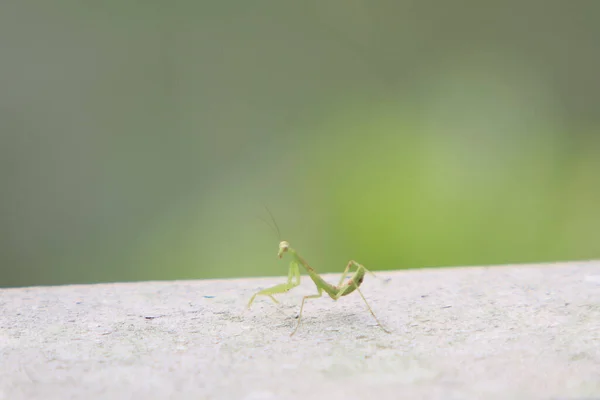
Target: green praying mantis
(334,291)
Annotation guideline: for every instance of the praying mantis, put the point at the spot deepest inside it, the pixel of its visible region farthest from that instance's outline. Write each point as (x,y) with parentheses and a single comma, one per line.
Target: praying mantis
(334,291)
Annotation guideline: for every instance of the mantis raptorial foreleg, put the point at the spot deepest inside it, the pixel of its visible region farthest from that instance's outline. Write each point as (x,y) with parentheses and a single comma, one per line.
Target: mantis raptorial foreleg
(294,272)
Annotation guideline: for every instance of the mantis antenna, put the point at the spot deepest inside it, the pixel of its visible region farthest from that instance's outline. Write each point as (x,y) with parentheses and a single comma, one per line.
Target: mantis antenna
(275,227)
(274,223)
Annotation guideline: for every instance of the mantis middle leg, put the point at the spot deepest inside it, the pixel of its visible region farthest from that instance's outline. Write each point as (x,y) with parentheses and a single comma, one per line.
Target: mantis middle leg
(314,296)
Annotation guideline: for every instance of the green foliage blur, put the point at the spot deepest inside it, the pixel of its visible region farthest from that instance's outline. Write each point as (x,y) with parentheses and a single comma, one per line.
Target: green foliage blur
(143,140)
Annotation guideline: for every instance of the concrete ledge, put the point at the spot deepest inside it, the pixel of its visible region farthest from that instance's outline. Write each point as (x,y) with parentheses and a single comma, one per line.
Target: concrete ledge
(510,332)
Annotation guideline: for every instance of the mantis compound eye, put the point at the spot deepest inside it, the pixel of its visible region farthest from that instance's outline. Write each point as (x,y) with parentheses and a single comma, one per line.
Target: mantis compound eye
(283,247)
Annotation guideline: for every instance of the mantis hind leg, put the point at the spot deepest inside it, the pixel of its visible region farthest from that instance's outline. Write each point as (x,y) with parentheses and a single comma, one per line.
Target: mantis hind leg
(314,296)
(355,286)
(347,269)
(371,311)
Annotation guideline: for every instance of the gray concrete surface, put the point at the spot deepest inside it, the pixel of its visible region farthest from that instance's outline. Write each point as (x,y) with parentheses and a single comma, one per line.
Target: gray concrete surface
(510,332)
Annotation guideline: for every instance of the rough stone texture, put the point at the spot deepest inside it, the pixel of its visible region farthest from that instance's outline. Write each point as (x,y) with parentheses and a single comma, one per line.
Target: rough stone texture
(510,332)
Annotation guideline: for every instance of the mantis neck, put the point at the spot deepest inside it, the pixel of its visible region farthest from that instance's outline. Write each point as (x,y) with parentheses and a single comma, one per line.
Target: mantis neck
(314,275)
(301,261)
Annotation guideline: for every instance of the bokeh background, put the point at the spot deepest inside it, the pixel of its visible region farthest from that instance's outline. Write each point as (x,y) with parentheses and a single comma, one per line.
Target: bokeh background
(143,140)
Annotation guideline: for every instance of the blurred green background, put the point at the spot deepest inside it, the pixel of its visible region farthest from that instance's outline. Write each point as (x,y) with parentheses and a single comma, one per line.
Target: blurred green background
(141,140)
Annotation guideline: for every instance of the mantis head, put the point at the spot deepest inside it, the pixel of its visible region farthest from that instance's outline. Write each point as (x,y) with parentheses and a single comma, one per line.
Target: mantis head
(283,247)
